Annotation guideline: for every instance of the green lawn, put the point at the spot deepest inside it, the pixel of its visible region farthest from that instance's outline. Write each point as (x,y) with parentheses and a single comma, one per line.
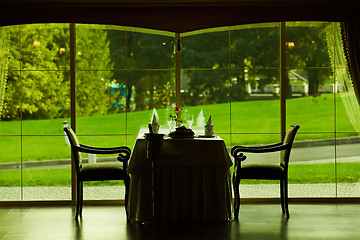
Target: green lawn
(298,174)
(252,122)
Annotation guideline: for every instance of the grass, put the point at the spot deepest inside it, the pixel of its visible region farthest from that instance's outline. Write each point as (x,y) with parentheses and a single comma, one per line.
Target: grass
(252,122)
(44,177)
(298,174)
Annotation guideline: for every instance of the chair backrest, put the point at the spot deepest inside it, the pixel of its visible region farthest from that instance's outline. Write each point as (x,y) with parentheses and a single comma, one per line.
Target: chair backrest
(74,142)
(288,139)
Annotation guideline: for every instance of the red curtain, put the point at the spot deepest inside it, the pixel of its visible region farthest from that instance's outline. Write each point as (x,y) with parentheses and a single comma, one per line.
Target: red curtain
(351,40)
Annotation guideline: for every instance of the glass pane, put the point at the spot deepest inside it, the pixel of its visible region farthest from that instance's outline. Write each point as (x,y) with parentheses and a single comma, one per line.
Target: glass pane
(93,50)
(255,105)
(314,113)
(306,45)
(45,47)
(10,173)
(45,101)
(92,92)
(149,51)
(11,107)
(205,93)
(205,50)
(255,47)
(102,141)
(46,168)
(348,165)
(312,167)
(101,107)
(150,90)
(243,139)
(117,45)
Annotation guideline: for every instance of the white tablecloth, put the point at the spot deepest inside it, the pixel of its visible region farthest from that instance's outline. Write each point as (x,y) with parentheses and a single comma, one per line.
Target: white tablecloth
(192,181)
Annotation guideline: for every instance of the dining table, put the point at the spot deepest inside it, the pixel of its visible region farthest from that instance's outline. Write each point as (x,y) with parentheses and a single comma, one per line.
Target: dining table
(192,181)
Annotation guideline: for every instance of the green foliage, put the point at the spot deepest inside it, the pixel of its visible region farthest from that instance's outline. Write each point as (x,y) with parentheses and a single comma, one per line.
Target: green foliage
(93,55)
(310,50)
(38,77)
(38,80)
(251,56)
(36,89)
(146,64)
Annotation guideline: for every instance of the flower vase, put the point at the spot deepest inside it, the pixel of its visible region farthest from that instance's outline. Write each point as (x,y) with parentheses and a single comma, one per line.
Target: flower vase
(178,121)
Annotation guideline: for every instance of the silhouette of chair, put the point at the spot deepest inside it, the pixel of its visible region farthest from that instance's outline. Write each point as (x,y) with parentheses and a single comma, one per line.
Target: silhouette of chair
(268,171)
(97,171)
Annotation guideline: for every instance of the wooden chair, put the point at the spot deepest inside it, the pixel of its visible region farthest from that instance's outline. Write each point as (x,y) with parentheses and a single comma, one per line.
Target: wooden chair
(97,171)
(264,170)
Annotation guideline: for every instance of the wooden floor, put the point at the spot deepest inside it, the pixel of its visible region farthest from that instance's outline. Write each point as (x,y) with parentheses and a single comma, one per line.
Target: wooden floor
(257,221)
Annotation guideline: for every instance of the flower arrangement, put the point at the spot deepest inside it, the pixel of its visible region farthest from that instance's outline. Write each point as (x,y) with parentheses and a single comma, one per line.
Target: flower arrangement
(176,117)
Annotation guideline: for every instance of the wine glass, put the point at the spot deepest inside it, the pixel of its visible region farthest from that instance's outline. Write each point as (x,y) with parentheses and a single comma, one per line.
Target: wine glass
(170,121)
(190,120)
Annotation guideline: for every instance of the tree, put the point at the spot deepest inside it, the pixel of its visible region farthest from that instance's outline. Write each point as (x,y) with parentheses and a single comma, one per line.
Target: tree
(309,50)
(205,58)
(35,88)
(93,64)
(38,80)
(252,52)
(146,64)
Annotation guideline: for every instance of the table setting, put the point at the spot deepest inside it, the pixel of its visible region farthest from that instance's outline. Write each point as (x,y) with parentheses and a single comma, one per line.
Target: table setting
(192,180)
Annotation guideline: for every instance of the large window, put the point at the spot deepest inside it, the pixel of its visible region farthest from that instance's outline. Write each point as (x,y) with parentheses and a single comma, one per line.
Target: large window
(123,75)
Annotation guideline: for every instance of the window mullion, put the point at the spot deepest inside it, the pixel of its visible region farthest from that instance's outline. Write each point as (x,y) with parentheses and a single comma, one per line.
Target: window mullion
(283,79)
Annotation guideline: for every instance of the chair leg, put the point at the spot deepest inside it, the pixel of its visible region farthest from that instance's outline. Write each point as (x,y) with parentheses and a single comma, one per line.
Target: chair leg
(81,198)
(77,199)
(286,198)
(236,185)
(127,187)
(282,197)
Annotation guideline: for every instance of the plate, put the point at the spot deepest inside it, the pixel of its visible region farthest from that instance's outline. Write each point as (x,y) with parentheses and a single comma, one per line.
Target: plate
(203,136)
(181,136)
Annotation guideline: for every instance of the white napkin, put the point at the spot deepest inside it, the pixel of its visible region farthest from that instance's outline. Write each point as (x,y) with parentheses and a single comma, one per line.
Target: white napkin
(200,119)
(155,122)
(209,122)
(154,113)
(209,128)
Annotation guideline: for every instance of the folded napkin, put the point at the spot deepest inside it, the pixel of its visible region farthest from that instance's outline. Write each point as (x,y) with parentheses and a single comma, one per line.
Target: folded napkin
(209,122)
(155,122)
(209,128)
(200,119)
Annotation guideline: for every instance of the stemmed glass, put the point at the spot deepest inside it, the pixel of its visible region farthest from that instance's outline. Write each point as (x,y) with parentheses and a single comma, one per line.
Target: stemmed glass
(190,120)
(170,121)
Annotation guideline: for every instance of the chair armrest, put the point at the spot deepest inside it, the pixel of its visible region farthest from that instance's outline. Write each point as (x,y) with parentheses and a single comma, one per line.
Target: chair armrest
(97,150)
(260,149)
